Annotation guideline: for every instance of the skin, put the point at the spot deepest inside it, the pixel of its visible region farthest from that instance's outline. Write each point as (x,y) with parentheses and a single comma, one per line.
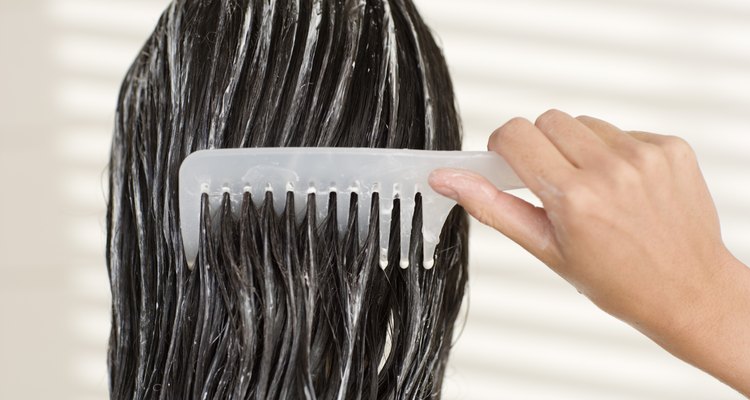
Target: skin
(628,220)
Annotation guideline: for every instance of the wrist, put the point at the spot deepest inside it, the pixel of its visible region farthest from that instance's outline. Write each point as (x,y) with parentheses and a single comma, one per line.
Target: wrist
(707,301)
(711,330)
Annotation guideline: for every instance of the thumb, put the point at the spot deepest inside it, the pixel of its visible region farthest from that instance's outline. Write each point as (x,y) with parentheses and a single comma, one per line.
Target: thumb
(517,219)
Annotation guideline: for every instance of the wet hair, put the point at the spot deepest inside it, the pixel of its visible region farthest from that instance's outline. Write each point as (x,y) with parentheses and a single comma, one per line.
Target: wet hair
(276,309)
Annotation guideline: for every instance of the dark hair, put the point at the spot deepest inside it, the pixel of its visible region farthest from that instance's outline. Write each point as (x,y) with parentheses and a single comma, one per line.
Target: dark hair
(276,309)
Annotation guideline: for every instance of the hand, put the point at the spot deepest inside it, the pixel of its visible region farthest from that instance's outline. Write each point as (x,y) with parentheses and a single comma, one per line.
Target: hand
(628,220)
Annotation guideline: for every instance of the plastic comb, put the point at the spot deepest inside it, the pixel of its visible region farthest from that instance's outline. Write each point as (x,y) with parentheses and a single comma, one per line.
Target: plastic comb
(392,173)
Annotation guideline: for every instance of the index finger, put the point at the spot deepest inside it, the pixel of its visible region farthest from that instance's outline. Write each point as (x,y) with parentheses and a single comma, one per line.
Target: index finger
(532,156)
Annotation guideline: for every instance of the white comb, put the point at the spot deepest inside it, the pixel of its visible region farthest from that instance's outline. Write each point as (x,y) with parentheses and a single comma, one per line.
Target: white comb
(392,173)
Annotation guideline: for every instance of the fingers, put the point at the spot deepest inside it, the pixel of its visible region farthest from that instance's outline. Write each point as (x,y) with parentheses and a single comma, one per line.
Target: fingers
(610,134)
(532,156)
(636,146)
(515,218)
(665,141)
(579,144)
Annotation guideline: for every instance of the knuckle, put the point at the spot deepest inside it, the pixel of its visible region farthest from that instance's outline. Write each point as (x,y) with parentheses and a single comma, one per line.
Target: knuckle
(677,148)
(549,118)
(504,132)
(648,157)
(516,124)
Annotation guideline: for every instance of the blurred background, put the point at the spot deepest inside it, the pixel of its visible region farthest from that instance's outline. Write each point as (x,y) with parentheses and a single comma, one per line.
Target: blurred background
(670,66)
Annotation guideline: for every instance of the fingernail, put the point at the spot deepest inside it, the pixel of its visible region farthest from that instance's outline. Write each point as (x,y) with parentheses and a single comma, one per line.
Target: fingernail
(447,192)
(491,141)
(443,181)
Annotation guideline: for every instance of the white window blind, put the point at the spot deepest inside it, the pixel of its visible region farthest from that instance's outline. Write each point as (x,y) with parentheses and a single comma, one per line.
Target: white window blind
(670,66)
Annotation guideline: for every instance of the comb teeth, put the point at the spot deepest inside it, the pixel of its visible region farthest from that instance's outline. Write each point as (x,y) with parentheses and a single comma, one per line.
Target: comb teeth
(393,174)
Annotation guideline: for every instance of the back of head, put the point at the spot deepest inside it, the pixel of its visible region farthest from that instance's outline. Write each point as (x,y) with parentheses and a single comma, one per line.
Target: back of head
(274,308)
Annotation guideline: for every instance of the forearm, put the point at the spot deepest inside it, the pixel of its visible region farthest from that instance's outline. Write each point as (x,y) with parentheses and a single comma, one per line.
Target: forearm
(713,333)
